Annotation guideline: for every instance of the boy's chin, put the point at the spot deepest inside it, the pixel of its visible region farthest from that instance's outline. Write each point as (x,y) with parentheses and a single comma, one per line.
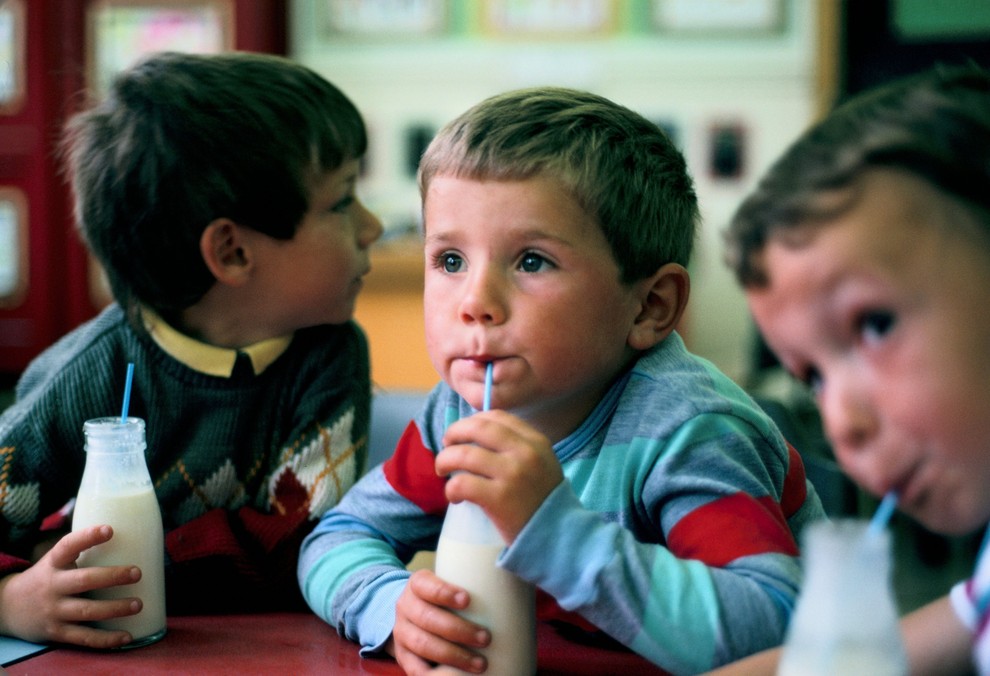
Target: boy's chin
(953,523)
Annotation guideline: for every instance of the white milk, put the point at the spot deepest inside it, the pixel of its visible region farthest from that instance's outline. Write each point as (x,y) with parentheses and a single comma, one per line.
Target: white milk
(851,662)
(500,601)
(846,620)
(137,540)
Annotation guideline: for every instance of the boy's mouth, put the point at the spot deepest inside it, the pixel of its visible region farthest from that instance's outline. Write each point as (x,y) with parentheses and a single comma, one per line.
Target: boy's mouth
(907,485)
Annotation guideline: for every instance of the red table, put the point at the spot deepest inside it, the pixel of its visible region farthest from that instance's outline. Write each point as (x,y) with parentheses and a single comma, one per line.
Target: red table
(293,643)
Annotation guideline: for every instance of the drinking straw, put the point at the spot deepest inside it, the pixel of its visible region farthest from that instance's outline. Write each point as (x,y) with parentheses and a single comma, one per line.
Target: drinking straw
(488,387)
(127,392)
(883,514)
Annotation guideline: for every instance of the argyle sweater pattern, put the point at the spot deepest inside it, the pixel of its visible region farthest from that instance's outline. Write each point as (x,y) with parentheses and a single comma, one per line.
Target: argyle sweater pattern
(674,531)
(242,466)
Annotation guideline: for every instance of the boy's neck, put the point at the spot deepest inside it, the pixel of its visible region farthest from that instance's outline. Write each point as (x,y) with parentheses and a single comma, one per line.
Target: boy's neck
(222,320)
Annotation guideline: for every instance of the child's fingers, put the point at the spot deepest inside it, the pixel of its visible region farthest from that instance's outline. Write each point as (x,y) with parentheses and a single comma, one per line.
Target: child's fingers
(65,552)
(75,610)
(425,585)
(89,637)
(411,663)
(416,648)
(81,580)
(491,429)
(430,605)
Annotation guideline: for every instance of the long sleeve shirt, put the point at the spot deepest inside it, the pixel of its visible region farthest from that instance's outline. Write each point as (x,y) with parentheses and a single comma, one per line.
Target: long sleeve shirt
(971,601)
(674,530)
(243,463)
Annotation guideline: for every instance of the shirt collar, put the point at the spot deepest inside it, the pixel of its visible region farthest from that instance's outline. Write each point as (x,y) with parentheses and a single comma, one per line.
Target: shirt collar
(206,358)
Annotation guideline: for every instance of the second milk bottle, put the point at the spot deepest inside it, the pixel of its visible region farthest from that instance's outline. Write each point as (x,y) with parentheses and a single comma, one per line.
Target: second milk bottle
(846,620)
(116,490)
(466,553)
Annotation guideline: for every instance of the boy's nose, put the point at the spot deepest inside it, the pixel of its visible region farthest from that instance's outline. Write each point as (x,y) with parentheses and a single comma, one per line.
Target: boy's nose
(850,421)
(371,227)
(482,300)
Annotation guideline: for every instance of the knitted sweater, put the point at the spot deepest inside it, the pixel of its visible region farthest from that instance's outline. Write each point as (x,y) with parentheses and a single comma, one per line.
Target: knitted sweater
(242,466)
(674,531)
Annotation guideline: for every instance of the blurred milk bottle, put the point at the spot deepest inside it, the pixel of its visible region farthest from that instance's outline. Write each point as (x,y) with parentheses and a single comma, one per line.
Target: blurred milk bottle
(116,490)
(846,619)
(466,553)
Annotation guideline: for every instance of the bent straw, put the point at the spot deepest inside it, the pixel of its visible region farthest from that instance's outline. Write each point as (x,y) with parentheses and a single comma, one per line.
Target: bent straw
(883,514)
(487,403)
(127,393)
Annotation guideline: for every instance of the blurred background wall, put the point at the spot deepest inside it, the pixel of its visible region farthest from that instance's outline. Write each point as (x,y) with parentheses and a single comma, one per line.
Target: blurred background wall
(733,81)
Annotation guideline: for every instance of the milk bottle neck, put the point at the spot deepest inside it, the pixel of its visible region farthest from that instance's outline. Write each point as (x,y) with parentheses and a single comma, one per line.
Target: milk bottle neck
(115,455)
(467,522)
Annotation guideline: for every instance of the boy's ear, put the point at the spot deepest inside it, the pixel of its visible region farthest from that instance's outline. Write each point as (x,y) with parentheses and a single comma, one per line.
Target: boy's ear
(663,297)
(226,252)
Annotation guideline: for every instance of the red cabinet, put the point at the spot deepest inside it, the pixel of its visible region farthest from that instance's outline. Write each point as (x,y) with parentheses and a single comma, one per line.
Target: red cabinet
(45,287)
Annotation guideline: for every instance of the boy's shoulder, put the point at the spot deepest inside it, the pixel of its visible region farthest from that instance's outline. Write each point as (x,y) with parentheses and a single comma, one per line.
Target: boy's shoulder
(96,339)
(684,385)
(342,348)
(71,379)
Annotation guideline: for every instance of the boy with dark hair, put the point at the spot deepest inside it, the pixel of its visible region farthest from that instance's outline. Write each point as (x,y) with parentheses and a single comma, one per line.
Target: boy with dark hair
(865,257)
(218,193)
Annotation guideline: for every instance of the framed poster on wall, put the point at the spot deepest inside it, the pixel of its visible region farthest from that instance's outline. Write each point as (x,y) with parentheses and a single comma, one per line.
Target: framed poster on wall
(11,56)
(384,18)
(550,18)
(119,32)
(719,17)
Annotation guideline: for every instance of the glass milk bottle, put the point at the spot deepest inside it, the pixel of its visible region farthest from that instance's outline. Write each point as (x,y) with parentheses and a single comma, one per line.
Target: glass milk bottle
(846,620)
(466,553)
(116,490)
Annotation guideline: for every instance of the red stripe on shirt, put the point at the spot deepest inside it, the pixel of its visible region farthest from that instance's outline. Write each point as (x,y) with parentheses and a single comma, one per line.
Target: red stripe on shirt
(795,487)
(410,471)
(732,527)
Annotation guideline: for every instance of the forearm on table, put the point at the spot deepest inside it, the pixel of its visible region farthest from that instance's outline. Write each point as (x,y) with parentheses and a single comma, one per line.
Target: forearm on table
(591,558)
(936,640)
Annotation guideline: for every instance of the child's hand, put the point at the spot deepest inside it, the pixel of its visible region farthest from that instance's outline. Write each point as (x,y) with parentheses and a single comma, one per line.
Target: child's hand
(511,468)
(427,632)
(45,603)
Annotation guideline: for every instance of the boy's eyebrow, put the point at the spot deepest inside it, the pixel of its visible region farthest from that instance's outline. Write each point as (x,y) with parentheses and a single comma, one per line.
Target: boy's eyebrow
(350,178)
(526,235)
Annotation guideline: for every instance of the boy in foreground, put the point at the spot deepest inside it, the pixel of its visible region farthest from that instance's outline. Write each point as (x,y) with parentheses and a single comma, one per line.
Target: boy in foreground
(865,257)
(635,485)
(218,194)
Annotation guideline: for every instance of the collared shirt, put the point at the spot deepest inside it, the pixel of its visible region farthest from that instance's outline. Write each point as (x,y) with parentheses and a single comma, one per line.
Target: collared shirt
(210,359)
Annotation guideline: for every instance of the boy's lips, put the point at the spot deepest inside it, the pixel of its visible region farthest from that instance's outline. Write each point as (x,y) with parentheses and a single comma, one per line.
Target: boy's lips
(907,486)
(479,363)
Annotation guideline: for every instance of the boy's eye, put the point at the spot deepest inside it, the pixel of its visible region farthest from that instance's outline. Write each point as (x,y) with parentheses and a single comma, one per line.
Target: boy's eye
(532,262)
(343,205)
(451,262)
(876,324)
(813,379)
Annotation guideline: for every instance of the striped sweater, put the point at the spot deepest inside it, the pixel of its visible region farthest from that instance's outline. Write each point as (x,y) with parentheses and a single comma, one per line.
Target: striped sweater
(674,531)
(971,601)
(242,465)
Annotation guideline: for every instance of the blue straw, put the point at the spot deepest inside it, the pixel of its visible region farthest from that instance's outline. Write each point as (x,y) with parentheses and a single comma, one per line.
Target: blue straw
(488,387)
(883,514)
(127,393)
